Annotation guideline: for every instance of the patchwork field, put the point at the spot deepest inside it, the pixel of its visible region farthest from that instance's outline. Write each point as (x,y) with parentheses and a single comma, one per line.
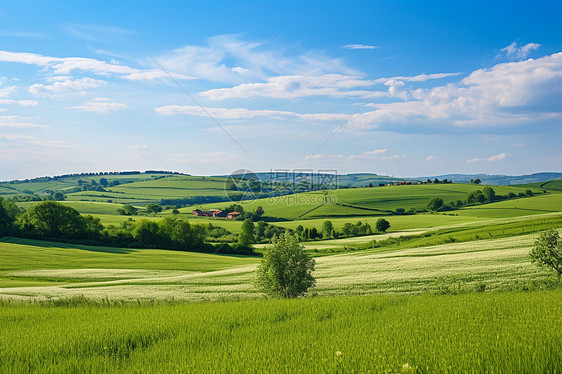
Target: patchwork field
(363,201)
(498,264)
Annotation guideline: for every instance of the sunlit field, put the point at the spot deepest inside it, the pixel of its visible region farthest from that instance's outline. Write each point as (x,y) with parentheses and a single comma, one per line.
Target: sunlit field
(479,332)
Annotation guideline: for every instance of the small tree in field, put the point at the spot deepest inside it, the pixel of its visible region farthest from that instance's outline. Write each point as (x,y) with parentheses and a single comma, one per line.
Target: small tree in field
(382,225)
(286,269)
(435,204)
(153,208)
(548,250)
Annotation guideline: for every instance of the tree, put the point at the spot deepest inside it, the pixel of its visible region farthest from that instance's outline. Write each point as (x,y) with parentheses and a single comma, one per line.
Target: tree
(5,219)
(435,203)
(327,229)
(489,194)
(59,196)
(246,236)
(382,225)
(153,208)
(347,229)
(476,197)
(529,193)
(175,211)
(128,210)
(259,211)
(54,220)
(476,181)
(260,229)
(147,233)
(286,269)
(548,250)
(370,184)
(300,231)
(103,182)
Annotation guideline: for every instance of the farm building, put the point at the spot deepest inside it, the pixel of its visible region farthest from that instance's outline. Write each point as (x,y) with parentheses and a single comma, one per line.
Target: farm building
(233,215)
(215,213)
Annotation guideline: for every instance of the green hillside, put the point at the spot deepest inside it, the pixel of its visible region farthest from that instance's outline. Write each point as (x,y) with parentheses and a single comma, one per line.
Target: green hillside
(43,269)
(363,201)
(555,185)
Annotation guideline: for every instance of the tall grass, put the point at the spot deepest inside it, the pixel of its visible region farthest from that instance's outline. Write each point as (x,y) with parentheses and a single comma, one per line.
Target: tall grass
(480,332)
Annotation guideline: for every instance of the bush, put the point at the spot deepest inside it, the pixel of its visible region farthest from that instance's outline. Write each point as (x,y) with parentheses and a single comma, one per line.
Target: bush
(382,225)
(435,204)
(286,269)
(548,250)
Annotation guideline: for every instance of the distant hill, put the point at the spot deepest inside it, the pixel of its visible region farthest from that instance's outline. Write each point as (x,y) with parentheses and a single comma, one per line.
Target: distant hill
(343,180)
(363,179)
(501,179)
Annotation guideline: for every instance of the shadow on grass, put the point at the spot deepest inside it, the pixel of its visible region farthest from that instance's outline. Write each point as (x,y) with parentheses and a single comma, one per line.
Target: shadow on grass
(102,249)
(49,244)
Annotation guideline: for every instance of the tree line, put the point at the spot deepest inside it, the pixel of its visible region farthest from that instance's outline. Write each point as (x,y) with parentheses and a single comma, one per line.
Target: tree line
(51,220)
(483,196)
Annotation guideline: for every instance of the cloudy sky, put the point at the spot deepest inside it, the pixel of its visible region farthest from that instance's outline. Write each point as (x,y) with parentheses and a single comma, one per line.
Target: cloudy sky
(397,88)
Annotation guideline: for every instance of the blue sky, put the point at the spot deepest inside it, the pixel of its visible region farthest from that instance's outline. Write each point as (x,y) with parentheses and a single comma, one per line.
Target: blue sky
(397,88)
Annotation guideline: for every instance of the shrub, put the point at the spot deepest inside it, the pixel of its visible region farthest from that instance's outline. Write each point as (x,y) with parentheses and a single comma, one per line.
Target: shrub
(286,269)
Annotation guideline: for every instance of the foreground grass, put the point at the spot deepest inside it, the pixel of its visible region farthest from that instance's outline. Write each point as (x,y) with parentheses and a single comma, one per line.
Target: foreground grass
(479,332)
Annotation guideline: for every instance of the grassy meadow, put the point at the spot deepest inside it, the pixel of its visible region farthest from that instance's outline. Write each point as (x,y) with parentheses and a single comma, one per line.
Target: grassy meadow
(148,274)
(442,292)
(480,332)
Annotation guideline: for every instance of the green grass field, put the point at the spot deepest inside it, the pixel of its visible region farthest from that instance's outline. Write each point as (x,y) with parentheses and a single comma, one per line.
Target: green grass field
(486,332)
(500,264)
(362,201)
(547,203)
(555,185)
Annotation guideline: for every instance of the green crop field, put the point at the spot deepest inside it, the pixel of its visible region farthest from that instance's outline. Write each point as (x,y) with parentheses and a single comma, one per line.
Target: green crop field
(487,332)
(555,185)
(363,201)
(547,203)
(498,263)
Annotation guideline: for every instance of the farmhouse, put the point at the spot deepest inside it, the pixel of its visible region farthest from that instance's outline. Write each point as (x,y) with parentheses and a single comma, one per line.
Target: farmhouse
(233,215)
(215,213)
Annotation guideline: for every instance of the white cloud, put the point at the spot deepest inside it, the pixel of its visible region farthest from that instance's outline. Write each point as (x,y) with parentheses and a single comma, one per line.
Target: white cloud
(138,147)
(501,156)
(62,88)
(101,105)
(430,158)
(20,102)
(518,52)
(333,85)
(323,157)
(18,122)
(294,86)
(67,65)
(223,57)
(241,70)
(243,113)
(379,154)
(7,91)
(506,94)
(359,46)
